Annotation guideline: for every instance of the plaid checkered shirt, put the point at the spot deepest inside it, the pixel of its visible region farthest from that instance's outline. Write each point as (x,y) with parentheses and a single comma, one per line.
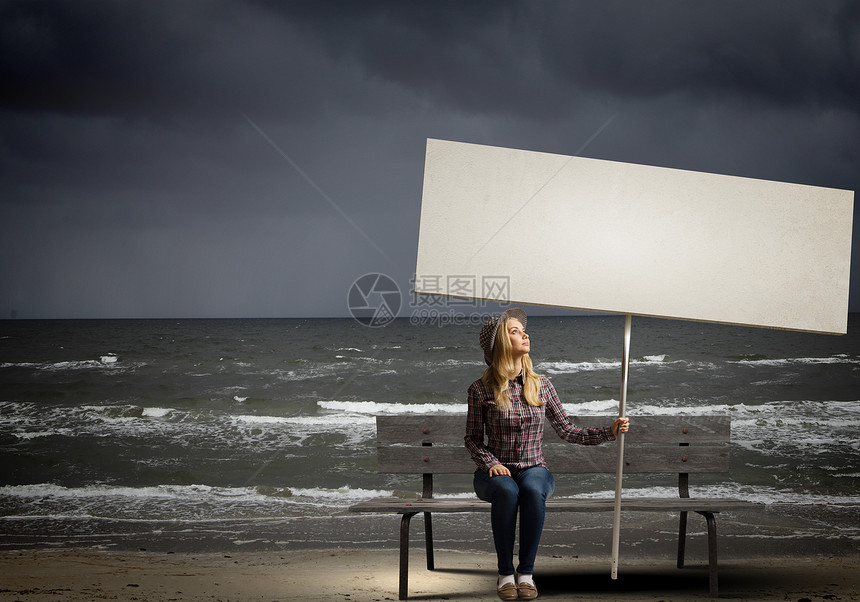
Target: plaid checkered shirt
(515,437)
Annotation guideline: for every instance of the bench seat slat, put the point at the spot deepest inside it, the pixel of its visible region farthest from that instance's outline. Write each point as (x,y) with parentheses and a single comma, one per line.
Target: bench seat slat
(451,428)
(653,504)
(562,459)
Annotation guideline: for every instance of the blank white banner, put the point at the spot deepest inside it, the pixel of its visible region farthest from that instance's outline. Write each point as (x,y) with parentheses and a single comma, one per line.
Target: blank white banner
(554,230)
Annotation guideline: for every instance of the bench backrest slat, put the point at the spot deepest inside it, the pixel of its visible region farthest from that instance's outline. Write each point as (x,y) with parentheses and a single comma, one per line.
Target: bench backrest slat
(450,429)
(562,459)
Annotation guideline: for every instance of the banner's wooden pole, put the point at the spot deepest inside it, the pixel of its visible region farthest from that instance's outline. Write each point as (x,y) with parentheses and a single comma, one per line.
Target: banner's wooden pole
(622,411)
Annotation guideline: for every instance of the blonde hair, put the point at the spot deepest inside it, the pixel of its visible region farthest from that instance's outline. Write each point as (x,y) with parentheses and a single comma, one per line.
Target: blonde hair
(501,371)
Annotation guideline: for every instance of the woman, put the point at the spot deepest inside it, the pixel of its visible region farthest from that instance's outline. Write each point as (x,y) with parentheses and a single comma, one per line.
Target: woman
(508,404)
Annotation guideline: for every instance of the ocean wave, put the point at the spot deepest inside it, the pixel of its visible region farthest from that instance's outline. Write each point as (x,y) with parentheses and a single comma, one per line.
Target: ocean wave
(345,364)
(648,361)
(201,428)
(573,367)
(789,428)
(594,407)
(426,367)
(107,361)
(336,421)
(182,502)
(374,408)
(278,433)
(671,407)
(173,492)
(796,429)
(760,494)
(789,361)
(342,496)
(177,502)
(26,436)
(584,408)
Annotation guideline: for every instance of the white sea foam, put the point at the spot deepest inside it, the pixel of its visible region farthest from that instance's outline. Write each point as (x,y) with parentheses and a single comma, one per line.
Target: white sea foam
(107,361)
(791,429)
(374,408)
(759,494)
(337,421)
(311,371)
(261,419)
(796,429)
(341,495)
(572,367)
(671,408)
(600,406)
(50,490)
(835,359)
(648,361)
(54,366)
(443,365)
(37,434)
(29,421)
(180,502)
(465,495)
(280,432)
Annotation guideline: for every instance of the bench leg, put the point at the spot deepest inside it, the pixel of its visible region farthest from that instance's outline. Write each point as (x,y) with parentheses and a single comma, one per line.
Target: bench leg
(712,552)
(404,554)
(682,539)
(428,540)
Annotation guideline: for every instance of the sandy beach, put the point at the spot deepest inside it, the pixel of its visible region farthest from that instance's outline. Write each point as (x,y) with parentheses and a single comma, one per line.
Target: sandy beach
(358,575)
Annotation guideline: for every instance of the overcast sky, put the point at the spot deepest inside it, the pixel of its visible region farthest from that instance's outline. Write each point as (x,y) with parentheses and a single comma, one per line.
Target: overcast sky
(254,158)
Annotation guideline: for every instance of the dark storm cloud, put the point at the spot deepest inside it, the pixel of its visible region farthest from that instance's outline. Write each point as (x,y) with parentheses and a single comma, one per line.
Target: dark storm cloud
(92,57)
(166,58)
(234,158)
(518,56)
(777,52)
(294,59)
(172,63)
(158,59)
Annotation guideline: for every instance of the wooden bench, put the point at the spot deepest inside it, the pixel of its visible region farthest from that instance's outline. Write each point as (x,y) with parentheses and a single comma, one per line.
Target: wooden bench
(433,444)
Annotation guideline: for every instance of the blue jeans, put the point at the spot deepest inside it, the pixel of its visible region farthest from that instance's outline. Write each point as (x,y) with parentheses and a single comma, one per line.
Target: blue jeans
(528,491)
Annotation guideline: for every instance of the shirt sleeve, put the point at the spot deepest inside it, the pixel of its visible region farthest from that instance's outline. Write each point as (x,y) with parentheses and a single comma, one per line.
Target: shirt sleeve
(563,426)
(483,458)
